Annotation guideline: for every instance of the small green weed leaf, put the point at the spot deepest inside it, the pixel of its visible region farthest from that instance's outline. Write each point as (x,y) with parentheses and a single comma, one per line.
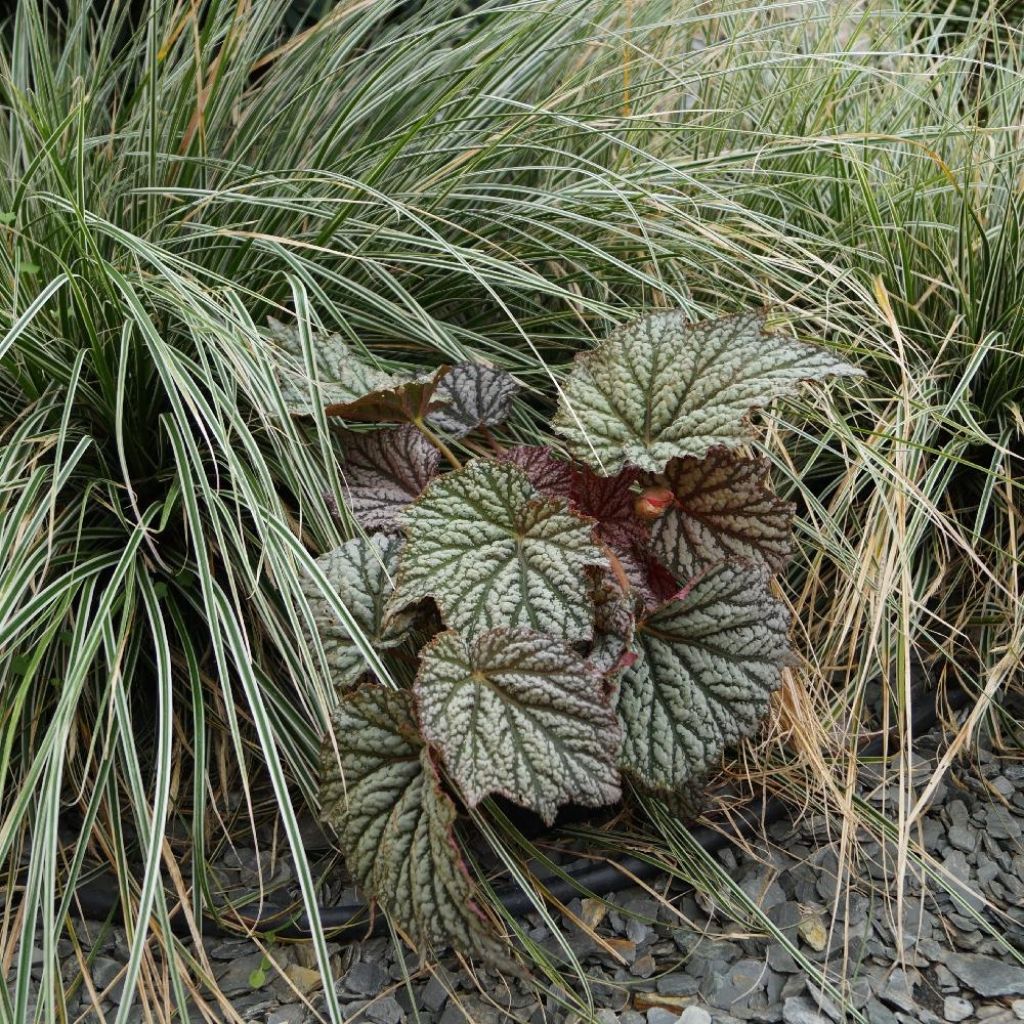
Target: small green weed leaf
(362,571)
(346,385)
(493,554)
(519,713)
(384,470)
(395,823)
(551,476)
(707,663)
(8,217)
(29,269)
(723,508)
(475,396)
(663,387)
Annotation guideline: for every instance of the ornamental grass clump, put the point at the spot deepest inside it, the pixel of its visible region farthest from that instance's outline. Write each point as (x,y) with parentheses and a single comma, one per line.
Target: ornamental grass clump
(555,628)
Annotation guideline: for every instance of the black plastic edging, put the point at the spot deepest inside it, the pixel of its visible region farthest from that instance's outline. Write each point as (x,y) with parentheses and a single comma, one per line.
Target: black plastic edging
(97,900)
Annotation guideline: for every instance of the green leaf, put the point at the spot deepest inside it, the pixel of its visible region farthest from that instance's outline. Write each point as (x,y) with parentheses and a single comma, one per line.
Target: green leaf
(519,713)
(384,471)
(395,823)
(474,396)
(493,554)
(707,663)
(8,217)
(362,571)
(346,385)
(663,387)
(723,508)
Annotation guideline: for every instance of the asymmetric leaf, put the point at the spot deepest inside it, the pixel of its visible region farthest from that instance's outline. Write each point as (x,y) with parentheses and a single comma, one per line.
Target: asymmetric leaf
(362,572)
(519,713)
(381,794)
(708,662)
(337,370)
(551,476)
(403,399)
(663,387)
(474,396)
(493,554)
(384,470)
(723,509)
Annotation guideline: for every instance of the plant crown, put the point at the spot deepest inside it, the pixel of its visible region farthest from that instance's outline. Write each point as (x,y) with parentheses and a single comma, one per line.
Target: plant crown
(573,622)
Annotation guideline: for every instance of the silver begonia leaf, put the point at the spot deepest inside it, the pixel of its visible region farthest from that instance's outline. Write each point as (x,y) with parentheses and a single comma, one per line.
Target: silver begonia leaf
(663,387)
(347,385)
(492,553)
(707,664)
(362,573)
(521,714)
(385,470)
(474,396)
(382,795)
(722,509)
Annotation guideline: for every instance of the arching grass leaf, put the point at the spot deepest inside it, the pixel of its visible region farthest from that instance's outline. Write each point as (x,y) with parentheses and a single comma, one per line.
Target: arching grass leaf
(395,823)
(551,476)
(663,387)
(723,508)
(474,396)
(708,662)
(362,572)
(492,553)
(384,471)
(519,713)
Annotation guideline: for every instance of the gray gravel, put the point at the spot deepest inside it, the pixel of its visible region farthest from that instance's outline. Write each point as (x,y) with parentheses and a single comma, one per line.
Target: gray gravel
(687,961)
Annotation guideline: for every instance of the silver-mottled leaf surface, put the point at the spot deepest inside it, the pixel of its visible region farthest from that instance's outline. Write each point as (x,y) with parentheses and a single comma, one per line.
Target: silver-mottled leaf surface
(663,387)
(474,396)
(341,376)
(521,714)
(723,508)
(385,470)
(492,554)
(380,792)
(707,664)
(362,572)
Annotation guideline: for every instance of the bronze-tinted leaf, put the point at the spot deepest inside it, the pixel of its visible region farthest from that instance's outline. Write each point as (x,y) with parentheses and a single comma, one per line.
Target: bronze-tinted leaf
(385,470)
(723,508)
